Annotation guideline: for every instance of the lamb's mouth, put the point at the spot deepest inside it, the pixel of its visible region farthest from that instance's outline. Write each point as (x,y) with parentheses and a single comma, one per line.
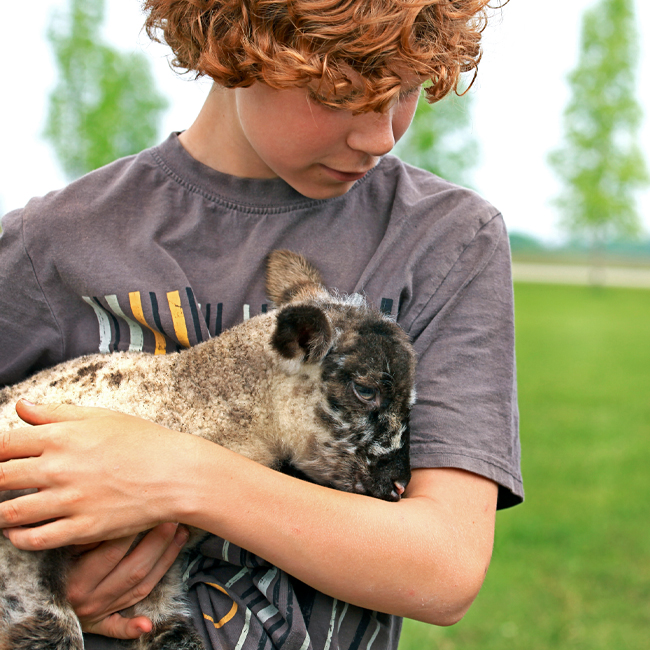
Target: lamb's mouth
(388,492)
(395,493)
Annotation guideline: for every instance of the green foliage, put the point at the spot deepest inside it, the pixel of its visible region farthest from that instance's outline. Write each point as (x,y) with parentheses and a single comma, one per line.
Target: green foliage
(440,139)
(105,105)
(600,163)
(571,566)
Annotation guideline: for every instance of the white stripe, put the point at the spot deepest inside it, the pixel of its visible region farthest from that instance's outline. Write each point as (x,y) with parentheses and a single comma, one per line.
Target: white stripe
(267,613)
(224,552)
(135,331)
(236,578)
(331,630)
(306,642)
(186,574)
(244,632)
(374,636)
(264,583)
(343,613)
(104,326)
(247,312)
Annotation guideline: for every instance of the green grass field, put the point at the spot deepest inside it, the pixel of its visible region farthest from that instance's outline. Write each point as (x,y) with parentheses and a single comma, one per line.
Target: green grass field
(571,566)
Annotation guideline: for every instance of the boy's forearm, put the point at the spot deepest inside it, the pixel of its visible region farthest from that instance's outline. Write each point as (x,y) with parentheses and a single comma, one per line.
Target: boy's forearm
(424,557)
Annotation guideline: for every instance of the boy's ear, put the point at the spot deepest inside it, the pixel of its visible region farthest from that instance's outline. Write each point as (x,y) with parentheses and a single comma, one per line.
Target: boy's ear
(302,331)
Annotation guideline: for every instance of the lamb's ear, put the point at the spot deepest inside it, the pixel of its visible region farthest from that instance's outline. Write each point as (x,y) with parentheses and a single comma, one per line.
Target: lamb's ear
(302,331)
(289,277)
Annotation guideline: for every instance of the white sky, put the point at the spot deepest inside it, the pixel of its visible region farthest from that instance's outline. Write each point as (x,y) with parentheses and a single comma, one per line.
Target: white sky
(520,96)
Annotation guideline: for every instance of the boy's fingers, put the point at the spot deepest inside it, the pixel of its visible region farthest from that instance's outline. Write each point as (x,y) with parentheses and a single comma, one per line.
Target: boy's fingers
(17,475)
(139,572)
(49,413)
(91,568)
(118,627)
(20,443)
(27,510)
(107,571)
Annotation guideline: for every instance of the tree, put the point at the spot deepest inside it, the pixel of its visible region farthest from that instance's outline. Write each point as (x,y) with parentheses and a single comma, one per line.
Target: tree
(105,105)
(600,163)
(440,139)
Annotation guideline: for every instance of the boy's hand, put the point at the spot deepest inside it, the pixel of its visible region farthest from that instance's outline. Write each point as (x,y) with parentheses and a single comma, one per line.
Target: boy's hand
(100,475)
(103,581)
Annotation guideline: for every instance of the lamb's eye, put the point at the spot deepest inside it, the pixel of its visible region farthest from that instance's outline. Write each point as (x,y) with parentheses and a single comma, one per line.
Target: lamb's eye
(366,394)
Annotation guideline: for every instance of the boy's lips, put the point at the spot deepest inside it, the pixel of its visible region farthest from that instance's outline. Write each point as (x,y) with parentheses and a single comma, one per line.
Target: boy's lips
(345,177)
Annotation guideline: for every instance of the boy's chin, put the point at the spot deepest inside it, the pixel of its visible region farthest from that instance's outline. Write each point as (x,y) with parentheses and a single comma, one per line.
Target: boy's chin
(324,191)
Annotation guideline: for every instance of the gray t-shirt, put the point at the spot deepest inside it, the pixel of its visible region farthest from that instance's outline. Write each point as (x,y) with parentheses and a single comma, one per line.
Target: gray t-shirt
(157,252)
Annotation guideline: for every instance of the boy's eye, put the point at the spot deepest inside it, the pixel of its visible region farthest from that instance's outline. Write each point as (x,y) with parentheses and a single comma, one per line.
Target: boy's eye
(332,102)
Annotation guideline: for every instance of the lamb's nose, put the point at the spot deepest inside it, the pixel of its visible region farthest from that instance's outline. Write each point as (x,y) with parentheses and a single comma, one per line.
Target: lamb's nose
(399,489)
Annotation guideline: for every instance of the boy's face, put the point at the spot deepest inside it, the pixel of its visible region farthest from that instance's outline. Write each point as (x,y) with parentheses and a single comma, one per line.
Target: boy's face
(317,150)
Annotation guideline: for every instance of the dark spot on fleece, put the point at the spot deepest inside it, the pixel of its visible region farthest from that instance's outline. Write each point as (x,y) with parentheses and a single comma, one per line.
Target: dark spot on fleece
(115,379)
(14,603)
(89,371)
(241,417)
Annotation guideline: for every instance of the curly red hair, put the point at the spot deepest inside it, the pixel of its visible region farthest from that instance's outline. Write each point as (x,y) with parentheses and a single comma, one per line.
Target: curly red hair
(289,43)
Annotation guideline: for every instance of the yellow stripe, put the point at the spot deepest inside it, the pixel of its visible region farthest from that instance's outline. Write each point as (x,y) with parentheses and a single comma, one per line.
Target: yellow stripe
(228,616)
(136,308)
(174,300)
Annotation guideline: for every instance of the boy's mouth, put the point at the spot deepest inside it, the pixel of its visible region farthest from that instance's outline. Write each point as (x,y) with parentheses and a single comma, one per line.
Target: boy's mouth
(345,177)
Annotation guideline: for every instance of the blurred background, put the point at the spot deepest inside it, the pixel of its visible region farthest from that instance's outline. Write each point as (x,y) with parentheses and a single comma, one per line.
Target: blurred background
(555,133)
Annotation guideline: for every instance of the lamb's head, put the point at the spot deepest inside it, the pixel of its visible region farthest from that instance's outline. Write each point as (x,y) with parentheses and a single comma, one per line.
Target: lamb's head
(366,369)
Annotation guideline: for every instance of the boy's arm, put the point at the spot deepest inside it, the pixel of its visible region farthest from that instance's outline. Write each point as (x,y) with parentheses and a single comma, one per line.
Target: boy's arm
(424,557)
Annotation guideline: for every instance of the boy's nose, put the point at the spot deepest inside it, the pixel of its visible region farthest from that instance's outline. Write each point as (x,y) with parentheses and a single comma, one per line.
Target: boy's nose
(372,133)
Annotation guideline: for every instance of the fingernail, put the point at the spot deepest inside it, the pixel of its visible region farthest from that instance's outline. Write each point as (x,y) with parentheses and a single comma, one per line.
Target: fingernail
(181,537)
(27,402)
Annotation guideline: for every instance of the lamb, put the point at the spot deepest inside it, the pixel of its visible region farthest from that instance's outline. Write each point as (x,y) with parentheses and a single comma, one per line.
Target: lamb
(320,387)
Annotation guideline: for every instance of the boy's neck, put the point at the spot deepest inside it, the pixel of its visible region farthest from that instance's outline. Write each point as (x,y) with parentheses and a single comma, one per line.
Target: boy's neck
(216,139)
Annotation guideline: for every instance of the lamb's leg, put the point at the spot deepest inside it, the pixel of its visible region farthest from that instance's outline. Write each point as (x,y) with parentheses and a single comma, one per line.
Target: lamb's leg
(34,613)
(167,607)
(47,629)
(175,633)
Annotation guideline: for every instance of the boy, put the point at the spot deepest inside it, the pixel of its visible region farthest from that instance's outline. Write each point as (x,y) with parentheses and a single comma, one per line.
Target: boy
(166,248)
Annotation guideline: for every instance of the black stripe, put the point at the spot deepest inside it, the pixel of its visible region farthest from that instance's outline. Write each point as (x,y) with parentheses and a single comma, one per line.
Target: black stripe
(276,626)
(387,306)
(276,601)
(305,596)
(265,308)
(195,314)
(289,612)
(217,325)
(116,325)
(155,312)
(207,317)
(263,639)
(255,601)
(361,630)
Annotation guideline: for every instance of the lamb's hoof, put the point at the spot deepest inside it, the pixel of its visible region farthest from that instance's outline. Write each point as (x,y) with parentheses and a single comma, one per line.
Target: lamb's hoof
(176,634)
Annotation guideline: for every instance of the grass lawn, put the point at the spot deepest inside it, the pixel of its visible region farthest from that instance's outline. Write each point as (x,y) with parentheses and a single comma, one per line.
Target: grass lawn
(571,566)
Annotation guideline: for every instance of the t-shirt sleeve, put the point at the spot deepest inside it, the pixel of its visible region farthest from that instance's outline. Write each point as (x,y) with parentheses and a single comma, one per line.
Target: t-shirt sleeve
(29,335)
(463,331)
